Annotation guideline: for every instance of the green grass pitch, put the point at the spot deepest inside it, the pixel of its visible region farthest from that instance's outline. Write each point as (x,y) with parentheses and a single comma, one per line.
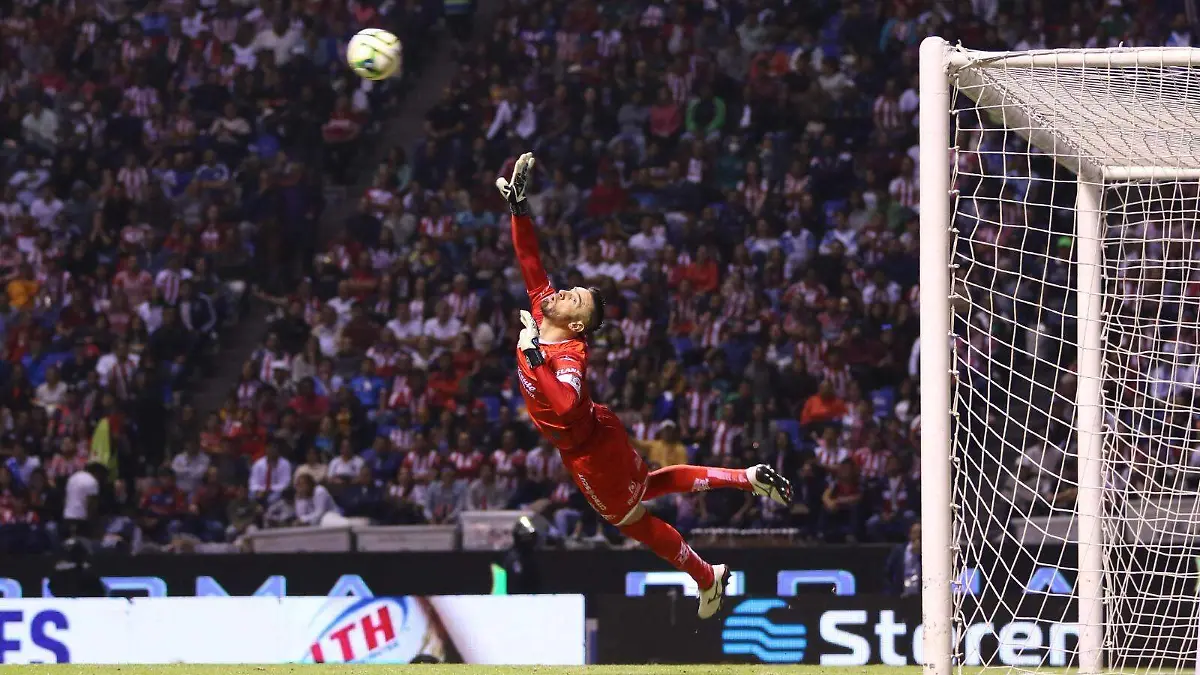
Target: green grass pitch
(78,669)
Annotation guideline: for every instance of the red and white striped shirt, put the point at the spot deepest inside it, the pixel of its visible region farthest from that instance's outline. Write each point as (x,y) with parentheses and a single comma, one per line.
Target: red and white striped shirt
(735,302)
(466,463)
(438,228)
(137,286)
(643,430)
(905,191)
(839,378)
(135,181)
(143,99)
(462,303)
(680,86)
(725,436)
(424,467)
(540,463)
(830,454)
(683,315)
(168,284)
(402,439)
(269,359)
(132,51)
(507,462)
(813,354)
(636,332)
(246,392)
(871,463)
(887,113)
(701,406)
(711,332)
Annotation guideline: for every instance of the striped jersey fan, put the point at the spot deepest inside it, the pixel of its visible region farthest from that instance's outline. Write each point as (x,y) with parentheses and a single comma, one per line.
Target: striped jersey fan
(374,53)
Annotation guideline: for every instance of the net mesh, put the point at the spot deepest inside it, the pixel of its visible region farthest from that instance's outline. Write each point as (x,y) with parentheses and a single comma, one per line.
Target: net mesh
(1015,361)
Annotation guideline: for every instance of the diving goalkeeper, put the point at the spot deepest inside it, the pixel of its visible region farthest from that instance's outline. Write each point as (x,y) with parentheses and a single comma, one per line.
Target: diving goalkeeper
(552,368)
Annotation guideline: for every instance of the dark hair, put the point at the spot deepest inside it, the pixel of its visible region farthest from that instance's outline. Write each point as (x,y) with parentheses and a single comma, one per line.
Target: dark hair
(599,306)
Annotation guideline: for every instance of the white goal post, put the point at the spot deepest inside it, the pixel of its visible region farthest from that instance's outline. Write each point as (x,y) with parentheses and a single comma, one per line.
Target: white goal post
(1060,381)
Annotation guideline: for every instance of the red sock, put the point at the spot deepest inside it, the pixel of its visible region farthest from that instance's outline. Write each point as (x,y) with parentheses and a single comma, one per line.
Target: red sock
(683,478)
(668,544)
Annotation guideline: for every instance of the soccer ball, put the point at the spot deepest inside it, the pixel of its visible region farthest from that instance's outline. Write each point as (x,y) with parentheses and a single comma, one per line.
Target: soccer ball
(374,53)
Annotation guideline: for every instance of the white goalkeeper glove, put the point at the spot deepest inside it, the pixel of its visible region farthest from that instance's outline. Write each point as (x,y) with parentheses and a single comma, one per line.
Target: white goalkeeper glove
(514,190)
(528,342)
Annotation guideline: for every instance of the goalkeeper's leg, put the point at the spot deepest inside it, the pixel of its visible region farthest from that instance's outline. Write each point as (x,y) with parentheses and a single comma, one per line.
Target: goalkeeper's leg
(668,544)
(760,479)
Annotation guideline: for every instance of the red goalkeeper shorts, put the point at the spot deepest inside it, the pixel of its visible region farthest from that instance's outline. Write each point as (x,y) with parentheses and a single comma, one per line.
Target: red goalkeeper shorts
(607,469)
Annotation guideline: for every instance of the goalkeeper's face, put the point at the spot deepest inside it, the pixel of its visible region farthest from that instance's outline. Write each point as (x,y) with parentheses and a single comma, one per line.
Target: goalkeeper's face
(571,309)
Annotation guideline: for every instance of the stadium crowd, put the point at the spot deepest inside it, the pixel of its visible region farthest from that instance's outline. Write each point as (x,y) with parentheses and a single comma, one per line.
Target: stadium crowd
(739,178)
(153,156)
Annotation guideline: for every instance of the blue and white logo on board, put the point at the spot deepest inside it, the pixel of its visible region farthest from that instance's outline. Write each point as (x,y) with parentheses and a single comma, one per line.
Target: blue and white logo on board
(749,632)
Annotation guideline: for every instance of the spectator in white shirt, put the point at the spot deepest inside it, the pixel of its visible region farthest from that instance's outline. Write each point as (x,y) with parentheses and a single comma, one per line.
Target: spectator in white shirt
(345,467)
(28,180)
(404,326)
(80,498)
(313,501)
(270,475)
(841,233)
(343,302)
(51,393)
(514,115)
(442,328)
(650,240)
(40,125)
(45,209)
(593,266)
(189,467)
(280,39)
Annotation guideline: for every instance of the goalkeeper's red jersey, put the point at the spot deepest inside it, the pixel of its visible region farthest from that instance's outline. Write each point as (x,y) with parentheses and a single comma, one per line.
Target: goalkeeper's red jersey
(556,394)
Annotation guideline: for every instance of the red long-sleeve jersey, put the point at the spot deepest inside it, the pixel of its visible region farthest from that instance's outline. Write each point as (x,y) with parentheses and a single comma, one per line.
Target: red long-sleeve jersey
(556,394)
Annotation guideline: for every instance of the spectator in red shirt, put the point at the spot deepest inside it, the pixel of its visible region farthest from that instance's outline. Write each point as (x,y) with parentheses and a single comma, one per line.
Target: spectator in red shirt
(703,272)
(309,405)
(822,408)
(841,502)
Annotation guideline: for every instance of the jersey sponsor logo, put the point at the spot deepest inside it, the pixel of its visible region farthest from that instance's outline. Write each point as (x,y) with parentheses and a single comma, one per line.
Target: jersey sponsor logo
(701,485)
(591,494)
(526,383)
(571,377)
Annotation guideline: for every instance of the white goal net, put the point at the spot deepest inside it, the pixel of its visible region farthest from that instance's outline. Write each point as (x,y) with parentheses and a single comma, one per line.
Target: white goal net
(1066,273)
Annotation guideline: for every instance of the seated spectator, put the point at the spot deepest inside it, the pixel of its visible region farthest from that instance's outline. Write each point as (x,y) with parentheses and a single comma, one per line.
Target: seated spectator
(190,467)
(363,497)
(345,468)
(405,499)
(895,503)
(445,497)
(270,475)
(208,507)
(163,508)
(822,408)
(842,501)
(312,501)
(313,467)
(667,449)
(485,493)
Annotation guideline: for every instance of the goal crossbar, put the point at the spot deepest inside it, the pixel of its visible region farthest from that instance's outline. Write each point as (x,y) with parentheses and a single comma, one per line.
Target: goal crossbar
(1125,122)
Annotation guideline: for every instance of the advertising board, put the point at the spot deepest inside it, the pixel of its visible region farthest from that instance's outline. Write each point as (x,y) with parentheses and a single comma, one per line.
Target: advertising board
(519,630)
(784,571)
(832,631)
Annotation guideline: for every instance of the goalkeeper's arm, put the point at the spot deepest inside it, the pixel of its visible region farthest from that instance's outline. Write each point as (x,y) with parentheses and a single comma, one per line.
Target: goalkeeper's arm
(525,243)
